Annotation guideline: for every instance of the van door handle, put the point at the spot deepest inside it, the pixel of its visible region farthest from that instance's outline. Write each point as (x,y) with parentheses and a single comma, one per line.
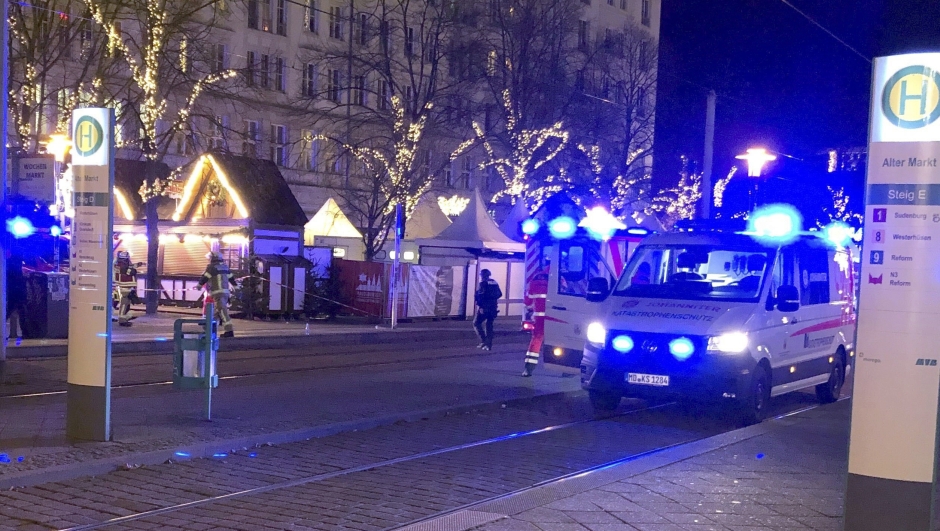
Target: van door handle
(794,321)
(562,308)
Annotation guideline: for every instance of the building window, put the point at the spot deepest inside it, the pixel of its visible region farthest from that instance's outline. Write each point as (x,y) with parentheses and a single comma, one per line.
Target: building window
(218,58)
(449,174)
(216,134)
(409,41)
(309,86)
(645,16)
(185,144)
(384,95)
(281,19)
(466,176)
(642,103)
(359,90)
(251,59)
(63,37)
(610,2)
(252,138)
(308,151)
(253,14)
(280,75)
(623,4)
(491,63)
(385,35)
(311,16)
(279,144)
(584,34)
(363,29)
(333,85)
(264,71)
(336,23)
(265,7)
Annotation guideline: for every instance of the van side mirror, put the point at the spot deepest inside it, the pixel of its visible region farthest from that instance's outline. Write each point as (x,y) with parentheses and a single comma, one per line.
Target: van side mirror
(788,299)
(597,290)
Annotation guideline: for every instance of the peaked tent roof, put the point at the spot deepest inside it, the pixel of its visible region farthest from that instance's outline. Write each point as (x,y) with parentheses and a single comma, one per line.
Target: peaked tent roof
(512,226)
(427,221)
(474,229)
(331,221)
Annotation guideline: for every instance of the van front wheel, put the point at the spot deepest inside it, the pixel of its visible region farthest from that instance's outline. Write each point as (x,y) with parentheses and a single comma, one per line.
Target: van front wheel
(754,406)
(604,401)
(829,392)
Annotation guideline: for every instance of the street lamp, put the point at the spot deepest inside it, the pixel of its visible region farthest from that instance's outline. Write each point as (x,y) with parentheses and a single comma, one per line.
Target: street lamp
(58,145)
(756,158)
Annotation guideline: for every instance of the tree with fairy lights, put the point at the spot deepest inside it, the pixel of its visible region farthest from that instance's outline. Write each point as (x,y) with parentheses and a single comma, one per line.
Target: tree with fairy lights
(522,153)
(58,60)
(162,45)
(680,202)
(388,105)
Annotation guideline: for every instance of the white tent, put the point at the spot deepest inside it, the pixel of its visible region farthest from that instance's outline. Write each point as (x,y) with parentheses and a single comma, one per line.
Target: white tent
(512,226)
(646,221)
(474,229)
(330,222)
(427,221)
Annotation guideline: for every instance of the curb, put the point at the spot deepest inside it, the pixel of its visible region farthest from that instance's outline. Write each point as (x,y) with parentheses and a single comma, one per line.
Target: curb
(477,514)
(147,347)
(209,449)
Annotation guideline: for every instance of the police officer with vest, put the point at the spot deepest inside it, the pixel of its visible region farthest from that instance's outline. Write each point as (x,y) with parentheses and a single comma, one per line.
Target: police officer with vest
(218,277)
(486,298)
(125,286)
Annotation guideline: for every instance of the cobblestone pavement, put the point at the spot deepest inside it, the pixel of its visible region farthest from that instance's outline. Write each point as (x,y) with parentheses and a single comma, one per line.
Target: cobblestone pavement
(783,475)
(381,386)
(376,497)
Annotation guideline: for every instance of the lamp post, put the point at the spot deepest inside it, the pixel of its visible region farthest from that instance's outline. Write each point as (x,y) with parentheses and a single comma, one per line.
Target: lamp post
(756,159)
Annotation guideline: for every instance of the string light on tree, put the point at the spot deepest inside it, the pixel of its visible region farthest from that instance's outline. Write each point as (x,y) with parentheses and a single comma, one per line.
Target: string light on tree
(454,205)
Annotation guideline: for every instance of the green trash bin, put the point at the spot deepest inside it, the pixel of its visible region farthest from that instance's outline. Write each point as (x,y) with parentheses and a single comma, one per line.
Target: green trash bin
(196,342)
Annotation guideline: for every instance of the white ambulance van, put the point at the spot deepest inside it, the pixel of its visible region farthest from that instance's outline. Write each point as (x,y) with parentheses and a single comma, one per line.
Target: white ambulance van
(717,316)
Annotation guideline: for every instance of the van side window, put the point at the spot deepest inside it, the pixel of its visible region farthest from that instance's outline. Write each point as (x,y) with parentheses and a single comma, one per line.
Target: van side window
(784,273)
(573,271)
(814,276)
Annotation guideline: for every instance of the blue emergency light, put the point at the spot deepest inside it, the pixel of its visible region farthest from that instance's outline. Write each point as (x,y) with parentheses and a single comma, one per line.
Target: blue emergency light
(531,226)
(562,228)
(20,227)
(839,233)
(775,224)
(55,231)
(681,348)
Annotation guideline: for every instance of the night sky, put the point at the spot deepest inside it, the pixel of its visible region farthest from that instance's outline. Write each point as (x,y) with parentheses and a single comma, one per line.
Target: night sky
(782,83)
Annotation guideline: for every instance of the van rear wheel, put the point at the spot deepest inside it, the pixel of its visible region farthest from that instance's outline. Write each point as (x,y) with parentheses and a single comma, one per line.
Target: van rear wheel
(604,401)
(829,392)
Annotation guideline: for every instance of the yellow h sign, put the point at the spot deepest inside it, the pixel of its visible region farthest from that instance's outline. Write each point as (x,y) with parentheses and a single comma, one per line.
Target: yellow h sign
(911,97)
(89,136)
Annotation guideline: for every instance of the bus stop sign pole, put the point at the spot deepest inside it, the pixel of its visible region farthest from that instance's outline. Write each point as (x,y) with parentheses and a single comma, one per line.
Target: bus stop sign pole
(893,440)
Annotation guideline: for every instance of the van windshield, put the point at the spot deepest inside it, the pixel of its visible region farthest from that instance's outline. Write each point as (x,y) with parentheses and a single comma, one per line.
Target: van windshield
(698,272)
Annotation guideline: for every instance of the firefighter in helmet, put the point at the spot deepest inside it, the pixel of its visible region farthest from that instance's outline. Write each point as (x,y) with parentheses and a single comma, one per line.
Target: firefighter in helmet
(125,286)
(535,298)
(218,277)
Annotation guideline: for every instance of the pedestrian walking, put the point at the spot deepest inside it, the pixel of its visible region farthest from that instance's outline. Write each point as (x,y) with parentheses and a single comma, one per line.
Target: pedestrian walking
(16,295)
(535,298)
(218,277)
(486,298)
(125,286)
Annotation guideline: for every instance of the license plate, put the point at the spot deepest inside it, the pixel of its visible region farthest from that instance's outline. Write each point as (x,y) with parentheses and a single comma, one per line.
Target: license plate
(648,379)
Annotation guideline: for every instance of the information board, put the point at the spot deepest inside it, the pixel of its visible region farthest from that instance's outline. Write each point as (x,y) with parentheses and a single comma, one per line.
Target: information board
(35,178)
(892,452)
(90,276)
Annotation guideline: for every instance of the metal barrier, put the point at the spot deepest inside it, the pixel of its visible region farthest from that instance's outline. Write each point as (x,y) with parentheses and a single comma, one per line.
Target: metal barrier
(196,342)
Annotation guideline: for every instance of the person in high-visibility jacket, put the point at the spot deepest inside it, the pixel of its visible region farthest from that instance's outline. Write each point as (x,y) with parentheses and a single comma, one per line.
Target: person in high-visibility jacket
(536,297)
(125,286)
(218,277)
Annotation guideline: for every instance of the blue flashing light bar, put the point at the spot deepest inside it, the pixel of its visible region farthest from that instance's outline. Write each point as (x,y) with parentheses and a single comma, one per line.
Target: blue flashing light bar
(531,226)
(775,224)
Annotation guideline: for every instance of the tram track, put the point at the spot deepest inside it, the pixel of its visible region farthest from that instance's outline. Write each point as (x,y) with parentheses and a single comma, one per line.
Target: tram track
(370,467)
(432,355)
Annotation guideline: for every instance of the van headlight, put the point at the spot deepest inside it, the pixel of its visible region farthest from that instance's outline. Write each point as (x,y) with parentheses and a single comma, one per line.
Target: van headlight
(596,333)
(732,343)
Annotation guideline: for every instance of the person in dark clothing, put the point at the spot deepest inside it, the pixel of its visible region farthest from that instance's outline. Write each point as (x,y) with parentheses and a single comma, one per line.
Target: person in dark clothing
(16,294)
(486,298)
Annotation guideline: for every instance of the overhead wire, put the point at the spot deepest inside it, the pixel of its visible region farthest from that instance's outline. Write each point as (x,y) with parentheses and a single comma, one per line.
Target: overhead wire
(831,34)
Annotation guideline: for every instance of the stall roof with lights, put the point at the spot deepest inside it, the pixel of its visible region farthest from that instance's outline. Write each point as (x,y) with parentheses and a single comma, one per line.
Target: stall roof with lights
(474,229)
(330,221)
(251,189)
(427,221)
